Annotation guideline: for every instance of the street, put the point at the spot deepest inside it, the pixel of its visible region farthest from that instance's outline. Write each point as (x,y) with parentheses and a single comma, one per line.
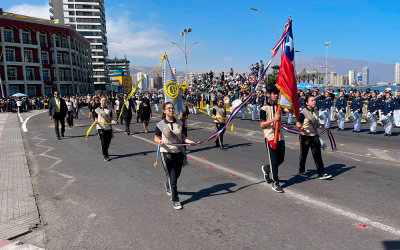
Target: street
(86,203)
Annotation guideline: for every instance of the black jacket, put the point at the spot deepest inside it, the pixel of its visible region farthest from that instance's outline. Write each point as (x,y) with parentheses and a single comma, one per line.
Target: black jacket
(127,111)
(53,107)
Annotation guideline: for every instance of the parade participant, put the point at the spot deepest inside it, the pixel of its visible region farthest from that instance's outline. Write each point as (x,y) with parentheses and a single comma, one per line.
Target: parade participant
(243,110)
(326,107)
(193,102)
(116,109)
(252,104)
(70,112)
(208,106)
(308,122)
(219,114)
(57,112)
(94,105)
(75,106)
(301,98)
(268,117)
(396,113)
(387,107)
(169,131)
(373,107)
(356,107)
(129,108)
(260,100)
(138,102)
(145,113)
(156,102)
(104,115)
(340,106)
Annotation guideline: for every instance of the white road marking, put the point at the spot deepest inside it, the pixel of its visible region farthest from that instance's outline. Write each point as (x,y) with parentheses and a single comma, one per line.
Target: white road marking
(379,153)
(350,157)
(304,198)
(24,128)
(20,118)
(251,133)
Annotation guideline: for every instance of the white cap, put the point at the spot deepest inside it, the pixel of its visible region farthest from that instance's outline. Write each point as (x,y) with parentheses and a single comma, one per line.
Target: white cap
(388,89)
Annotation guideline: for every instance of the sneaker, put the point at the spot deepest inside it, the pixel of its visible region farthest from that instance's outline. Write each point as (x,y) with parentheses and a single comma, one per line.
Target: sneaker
(389,135)
(266,175)
(304,174)
(369,132)
(106,158)
(324,176)
(386,134)
(62,134)
(167,188)
(277,188)
(176,205)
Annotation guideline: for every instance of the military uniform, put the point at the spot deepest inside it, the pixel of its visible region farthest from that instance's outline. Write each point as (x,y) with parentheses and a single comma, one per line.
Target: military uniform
(396,112)
(373,109)
(220,114)
(341,104)
(252,104)
(356,107)
(387,107)
(327,107)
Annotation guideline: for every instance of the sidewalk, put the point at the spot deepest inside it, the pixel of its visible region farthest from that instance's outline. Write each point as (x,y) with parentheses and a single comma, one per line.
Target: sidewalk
(18,210)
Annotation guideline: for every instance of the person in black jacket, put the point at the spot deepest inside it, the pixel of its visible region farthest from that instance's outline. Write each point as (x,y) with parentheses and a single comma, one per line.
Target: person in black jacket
(129,108)
(57,112)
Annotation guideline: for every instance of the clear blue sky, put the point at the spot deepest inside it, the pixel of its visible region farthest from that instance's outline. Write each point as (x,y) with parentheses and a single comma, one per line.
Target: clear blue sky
(231,35)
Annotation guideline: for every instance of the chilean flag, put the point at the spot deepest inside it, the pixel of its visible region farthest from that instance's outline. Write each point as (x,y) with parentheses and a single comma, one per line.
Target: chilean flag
(286,82)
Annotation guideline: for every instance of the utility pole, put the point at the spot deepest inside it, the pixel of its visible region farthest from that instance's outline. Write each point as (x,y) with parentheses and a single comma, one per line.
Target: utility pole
(326,67)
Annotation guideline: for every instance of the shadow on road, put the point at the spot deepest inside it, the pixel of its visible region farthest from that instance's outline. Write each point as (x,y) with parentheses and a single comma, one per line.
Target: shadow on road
(228,146)
(334,170)
(214,191)
(391,245)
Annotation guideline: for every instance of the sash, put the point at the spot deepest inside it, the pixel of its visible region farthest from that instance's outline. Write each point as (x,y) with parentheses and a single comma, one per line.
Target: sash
(311,118)
(220,112)
(173,139)
(107,118)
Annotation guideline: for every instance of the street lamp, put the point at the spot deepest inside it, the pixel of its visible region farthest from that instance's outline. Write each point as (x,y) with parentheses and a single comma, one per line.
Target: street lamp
(254,9)
(326,77)
(184,34)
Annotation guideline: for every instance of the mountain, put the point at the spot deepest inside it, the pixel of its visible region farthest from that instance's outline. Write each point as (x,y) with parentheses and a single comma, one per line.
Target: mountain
(378,72)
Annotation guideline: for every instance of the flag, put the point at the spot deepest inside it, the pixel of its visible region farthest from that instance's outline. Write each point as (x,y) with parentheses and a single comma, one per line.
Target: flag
(286,82)
(172,92)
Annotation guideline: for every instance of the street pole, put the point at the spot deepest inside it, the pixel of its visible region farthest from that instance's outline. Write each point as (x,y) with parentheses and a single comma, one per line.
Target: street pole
(185,55)
(254,9)
(326,77)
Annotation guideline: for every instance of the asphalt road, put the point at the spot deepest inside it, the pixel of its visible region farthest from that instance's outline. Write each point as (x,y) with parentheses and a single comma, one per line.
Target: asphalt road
(86,203)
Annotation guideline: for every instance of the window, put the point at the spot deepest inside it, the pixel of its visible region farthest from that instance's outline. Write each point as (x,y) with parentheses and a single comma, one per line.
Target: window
(46,75)
(72,13)
(8,36)
(70,6)
(31,91)
(43,40)
(29,74)
(47,90)
(12,73)
(45,57)
(71,19)
(10,55)
(66,61)
(13,90)
(26,38)
(59,61)
(28,56)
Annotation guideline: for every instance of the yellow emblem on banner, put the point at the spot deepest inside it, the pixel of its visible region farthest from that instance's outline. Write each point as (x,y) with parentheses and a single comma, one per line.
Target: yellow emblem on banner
(171,89)
(183,86)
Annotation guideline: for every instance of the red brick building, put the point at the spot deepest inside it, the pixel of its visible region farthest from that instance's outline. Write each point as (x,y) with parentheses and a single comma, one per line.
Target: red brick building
(38,56)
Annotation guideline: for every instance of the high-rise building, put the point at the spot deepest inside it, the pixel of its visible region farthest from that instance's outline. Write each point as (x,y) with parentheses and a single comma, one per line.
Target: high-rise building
(333,78)
(339,81)
(365,76)
(345,80)
(158,83)
(397,73)
(359,78)
(114,64)
(88,17)
(352,76)
(144,84)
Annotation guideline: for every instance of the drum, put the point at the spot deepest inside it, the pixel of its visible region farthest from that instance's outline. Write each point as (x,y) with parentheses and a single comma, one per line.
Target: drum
(323,115)
(386,120)
(372,118)
(339,115)
(354,116)
(226,99)
(235,104)
(249,109)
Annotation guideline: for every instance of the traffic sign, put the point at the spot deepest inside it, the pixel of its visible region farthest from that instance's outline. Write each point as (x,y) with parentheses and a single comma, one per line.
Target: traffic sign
(252,79)
(183,86)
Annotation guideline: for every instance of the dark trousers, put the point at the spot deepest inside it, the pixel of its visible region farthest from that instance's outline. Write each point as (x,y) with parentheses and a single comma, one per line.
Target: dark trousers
(121,121)
(276,158)
(105,140)
(138,116)
(70,119)
(58,119)
(221,136)
(307,142)
(198,103)
(127,120)
(173,166)
(76,113)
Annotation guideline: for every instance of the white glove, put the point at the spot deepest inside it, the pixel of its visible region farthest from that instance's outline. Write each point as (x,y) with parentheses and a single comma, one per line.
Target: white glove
(369,114)
(390,114)
(356,112)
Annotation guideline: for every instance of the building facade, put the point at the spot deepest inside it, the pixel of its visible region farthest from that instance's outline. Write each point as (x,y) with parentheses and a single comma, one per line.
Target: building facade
(365,76)
(144,84)
(116,64)
(352,76)
(89,19)
(39,57)
(397,73)
(333,78)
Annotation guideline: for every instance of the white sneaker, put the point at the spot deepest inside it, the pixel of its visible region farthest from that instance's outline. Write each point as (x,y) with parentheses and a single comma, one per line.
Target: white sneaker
(176,205)
(324,176)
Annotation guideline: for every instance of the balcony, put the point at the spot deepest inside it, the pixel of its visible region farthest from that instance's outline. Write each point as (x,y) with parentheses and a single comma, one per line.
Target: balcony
(67,78)
(9,40)
(31,60)
(12,78)
(33,78)
(57,62)
(45,62)
(46,79)
(44,44)
(29,42)
(13,59)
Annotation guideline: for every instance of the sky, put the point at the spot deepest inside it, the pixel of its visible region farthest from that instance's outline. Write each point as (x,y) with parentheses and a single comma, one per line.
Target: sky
(231,35)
